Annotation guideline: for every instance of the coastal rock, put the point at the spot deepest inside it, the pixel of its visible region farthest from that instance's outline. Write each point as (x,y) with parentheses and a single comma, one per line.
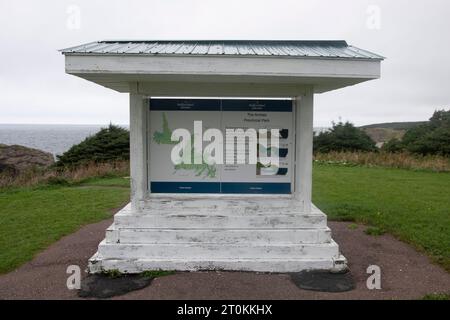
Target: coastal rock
(15,158)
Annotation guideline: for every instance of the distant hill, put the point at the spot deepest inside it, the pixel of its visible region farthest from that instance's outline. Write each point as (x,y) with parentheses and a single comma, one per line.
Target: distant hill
(395,125)
(383,132)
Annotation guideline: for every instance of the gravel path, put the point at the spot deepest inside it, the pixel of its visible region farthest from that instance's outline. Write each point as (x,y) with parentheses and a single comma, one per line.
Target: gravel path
(406,274)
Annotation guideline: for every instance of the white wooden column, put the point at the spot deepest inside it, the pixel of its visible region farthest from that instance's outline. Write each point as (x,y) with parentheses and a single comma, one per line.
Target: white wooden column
(304,148)
(138,150)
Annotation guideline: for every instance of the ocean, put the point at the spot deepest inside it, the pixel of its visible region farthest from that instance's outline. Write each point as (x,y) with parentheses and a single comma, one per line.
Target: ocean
(55,138)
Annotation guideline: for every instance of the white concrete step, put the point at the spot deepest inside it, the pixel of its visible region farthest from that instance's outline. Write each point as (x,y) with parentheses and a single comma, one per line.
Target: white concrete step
(206,221)
(234,207)
(223,236)
(265,234)
(229,206)
(206,251)
(99,263)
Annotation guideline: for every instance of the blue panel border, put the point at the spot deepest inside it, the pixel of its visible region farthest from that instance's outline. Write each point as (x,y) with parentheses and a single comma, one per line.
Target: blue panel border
(220,105)
(223,188)
(184,187)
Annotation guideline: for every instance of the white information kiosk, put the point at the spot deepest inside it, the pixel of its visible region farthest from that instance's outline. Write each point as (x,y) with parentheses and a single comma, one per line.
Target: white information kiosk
(222,216)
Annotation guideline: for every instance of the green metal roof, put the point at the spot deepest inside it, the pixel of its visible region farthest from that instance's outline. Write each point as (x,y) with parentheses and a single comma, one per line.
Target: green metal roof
(280,48)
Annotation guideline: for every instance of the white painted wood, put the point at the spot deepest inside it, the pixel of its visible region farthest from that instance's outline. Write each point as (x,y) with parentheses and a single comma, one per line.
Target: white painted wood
(204,76)
(148,135)
(138,150)
(223,66)
(304,148)
(214,89)
(251,233)
(211,85)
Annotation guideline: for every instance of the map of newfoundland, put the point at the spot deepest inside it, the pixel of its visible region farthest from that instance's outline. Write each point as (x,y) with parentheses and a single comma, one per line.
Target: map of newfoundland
(164,138)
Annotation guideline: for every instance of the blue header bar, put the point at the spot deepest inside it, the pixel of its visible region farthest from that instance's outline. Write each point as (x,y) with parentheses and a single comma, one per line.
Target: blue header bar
(257,105)
(185,104)
(221,105)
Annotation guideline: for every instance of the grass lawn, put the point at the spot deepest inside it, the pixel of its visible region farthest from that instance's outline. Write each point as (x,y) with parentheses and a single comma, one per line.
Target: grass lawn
(414,206)
(31,219)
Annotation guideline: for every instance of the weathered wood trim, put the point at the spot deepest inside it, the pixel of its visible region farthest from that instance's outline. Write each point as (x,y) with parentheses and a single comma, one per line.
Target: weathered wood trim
(203,89)
(138,150)
(245,66)
(304,148)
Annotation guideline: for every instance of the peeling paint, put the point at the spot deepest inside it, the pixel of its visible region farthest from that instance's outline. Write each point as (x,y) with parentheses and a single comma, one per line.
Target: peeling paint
(217,234)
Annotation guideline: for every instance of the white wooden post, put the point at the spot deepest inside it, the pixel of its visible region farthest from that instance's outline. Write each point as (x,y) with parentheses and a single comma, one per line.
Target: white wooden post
(138,150)
(304,148)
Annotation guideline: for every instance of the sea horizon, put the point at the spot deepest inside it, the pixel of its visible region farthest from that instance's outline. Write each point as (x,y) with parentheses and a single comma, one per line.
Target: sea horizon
(54,138)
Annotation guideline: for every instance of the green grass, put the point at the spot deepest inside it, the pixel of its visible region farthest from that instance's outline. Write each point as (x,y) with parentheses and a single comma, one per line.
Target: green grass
(157,273)
(437,296)
(33,218)
(353,226)
(107,182)
(113,274)
(414,206)
(374,231)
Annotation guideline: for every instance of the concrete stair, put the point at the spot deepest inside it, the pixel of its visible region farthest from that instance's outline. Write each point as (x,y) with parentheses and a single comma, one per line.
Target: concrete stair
(222,236)
(253,233)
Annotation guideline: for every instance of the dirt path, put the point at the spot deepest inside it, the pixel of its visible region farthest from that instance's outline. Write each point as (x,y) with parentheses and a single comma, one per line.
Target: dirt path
(406,274)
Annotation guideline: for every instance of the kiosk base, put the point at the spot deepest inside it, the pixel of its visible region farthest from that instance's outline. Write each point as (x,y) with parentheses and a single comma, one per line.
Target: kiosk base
(264,233)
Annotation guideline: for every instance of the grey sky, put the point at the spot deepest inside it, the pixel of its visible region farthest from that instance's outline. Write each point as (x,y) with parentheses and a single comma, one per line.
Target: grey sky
(413,35)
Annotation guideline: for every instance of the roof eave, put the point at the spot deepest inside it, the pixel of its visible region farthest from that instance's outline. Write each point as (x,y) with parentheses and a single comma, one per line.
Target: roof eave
(94,54)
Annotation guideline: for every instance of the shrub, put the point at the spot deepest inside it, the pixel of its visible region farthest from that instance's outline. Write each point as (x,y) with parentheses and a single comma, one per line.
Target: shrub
(431,138)
(394,145)
(436,141)
(109,144)
(343,137)
(65,175)
(401,160)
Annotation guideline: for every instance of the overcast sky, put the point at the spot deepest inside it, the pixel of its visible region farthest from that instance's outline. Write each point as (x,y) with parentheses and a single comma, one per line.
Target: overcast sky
(412,34)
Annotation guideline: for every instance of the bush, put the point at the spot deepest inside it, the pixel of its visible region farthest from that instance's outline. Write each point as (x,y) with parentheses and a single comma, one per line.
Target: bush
(109,144)
(394,145)
(432,138)
(343,137)
(65,175)
(400,160)
(436,141)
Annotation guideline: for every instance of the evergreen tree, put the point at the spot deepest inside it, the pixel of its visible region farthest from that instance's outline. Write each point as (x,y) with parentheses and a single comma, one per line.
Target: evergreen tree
(109,144)
(430,138)
(343,137)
